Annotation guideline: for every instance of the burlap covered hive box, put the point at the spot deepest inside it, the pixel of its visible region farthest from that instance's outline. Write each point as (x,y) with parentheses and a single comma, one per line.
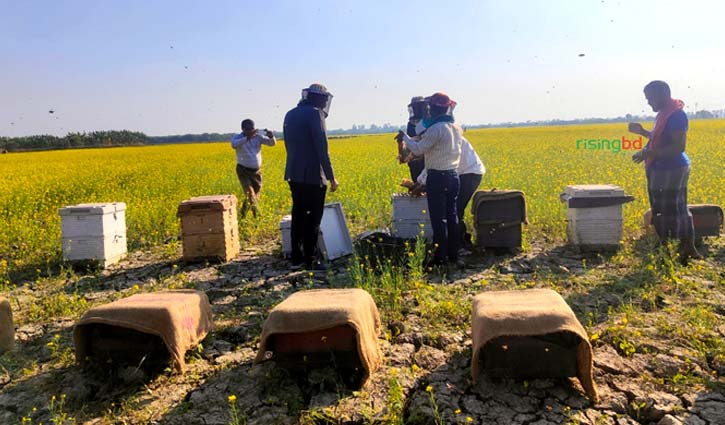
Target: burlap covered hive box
(180,319)
(707,219)
(209,227)
(7,329)
(311,324)
(529,334)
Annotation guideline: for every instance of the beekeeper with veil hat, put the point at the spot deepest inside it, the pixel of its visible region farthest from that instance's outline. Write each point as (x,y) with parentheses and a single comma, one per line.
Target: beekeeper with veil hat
(417,111)
(308,171)
(440,144)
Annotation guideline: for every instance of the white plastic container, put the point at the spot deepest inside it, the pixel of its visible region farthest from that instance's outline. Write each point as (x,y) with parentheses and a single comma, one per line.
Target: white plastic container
(94,232)
(597,226)
(410,217)
(334,238)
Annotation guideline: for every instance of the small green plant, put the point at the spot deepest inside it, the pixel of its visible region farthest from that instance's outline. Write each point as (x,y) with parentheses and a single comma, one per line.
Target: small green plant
(624,345)
(684,382)
(235,417)
(637,408)
(389,280)
(58,415)
(395,399)
(620,334)
(57,305)
(319,416)
(28,419)
(416,261)
(437,418)
(5,284)
(662,264)
(59,351)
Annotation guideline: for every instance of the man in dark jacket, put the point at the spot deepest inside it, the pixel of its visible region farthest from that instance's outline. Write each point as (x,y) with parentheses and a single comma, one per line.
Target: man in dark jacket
(308,171)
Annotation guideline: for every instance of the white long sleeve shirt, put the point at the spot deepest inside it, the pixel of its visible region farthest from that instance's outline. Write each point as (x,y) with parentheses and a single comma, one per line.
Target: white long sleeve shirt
(249,151)
(470,163)
(440,145)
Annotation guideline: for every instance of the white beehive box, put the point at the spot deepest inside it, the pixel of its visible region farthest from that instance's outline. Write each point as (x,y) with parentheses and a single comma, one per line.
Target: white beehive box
(593,190)
(334,238)
(94,232)
(410,217)
(593,232)
(595,226)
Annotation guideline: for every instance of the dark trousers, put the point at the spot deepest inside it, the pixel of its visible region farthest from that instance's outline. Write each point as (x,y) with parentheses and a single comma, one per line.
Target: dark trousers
(667,190)
(469,185)
(442,187)
(308,204)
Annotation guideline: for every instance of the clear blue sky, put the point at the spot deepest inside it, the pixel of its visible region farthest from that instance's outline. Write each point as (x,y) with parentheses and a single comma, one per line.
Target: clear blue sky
(111,65)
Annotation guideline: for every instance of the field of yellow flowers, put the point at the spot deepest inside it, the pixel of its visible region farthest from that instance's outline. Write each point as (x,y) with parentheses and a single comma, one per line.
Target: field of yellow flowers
(153,180)
(656,327)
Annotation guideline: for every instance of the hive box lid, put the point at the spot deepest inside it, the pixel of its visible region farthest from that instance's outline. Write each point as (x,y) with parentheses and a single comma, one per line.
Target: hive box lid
(407,196)
(334,238)
(334,232)
(593,190)
(93,209)
(207,203)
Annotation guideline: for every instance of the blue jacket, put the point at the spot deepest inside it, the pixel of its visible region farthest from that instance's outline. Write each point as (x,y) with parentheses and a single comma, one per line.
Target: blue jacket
(308,160)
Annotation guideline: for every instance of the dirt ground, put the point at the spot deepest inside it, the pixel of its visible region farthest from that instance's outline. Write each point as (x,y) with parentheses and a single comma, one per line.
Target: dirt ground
(657,346)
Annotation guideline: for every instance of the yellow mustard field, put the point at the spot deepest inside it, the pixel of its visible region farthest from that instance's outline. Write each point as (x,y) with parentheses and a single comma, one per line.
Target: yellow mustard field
(152,181)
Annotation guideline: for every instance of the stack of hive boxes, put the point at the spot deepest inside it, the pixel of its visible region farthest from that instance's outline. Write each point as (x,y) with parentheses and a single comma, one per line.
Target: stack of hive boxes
(209,228)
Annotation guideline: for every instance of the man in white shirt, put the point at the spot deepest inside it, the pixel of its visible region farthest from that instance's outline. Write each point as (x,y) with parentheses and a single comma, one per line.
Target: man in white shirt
(470,172)
(248,146)
(440,145)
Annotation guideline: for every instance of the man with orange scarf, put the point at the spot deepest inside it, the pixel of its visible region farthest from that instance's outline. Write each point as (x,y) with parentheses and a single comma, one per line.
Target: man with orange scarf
(667,168)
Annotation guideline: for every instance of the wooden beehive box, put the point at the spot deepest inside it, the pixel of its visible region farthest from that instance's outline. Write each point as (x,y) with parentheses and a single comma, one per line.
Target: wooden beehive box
(95,232)
(124,346)
(530,333)
(316,347)
(511,356)
(209,228)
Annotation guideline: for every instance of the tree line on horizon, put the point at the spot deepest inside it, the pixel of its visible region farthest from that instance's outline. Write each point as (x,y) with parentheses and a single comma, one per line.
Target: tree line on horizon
(114,138)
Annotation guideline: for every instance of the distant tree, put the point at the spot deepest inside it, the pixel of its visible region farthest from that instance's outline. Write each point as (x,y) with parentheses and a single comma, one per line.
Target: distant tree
(704,114)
